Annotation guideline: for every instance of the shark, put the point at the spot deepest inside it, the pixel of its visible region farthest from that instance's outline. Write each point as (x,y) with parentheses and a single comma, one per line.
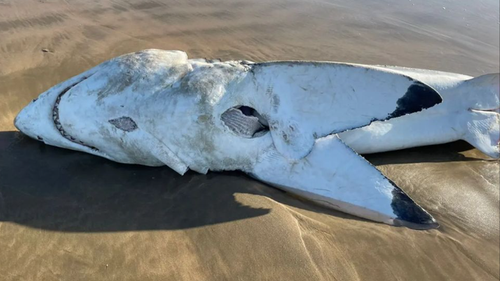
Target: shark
(299,126)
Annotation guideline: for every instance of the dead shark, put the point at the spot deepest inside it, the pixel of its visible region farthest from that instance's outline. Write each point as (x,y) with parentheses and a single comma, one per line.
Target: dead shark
(279,122)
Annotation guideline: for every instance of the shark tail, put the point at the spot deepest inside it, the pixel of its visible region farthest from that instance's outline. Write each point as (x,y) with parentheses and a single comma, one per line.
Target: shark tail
(481,122)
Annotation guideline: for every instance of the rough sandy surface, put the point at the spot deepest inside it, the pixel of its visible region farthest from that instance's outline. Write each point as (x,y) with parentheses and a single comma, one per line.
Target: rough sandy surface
(65,215)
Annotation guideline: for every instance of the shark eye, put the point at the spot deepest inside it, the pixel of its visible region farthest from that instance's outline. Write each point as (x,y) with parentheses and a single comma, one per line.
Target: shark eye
(245,121)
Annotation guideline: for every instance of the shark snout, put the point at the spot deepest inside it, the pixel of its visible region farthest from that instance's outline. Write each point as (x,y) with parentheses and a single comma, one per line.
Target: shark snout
(27,121)
(36,119)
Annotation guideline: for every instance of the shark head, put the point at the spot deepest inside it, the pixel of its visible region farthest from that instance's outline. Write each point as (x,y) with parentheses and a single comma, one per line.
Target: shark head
(278,122)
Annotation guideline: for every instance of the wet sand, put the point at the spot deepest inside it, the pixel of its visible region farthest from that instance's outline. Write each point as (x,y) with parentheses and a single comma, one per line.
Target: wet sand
(66,215)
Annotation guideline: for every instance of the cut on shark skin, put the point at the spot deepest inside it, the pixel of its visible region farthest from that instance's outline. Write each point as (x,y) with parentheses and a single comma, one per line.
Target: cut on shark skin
(277,121)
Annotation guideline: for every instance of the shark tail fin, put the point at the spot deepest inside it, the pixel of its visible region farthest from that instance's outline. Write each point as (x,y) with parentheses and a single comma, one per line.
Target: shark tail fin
(482,120)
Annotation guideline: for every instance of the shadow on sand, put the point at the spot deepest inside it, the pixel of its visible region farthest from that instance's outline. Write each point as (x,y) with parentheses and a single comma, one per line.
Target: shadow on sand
(449,152)
(62,190)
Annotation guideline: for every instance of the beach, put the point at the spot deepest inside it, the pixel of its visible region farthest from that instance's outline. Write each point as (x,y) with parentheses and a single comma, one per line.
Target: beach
(66,215)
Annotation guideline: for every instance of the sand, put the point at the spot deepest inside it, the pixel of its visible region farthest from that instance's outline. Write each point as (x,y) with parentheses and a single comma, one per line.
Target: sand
(66,215)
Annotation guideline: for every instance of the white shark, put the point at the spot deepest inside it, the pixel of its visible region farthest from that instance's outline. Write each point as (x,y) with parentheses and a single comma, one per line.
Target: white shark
(277,121)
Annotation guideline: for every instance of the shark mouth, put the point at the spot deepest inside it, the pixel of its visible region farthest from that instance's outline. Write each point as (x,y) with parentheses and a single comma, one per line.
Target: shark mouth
(57,123)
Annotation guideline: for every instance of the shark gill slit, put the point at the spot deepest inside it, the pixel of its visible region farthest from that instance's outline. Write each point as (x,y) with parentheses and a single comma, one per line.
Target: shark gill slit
(57,123)
(245,121)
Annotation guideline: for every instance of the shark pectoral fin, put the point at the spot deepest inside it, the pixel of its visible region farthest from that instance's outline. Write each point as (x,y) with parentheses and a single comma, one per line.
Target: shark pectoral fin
(335,176)
(333,97)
